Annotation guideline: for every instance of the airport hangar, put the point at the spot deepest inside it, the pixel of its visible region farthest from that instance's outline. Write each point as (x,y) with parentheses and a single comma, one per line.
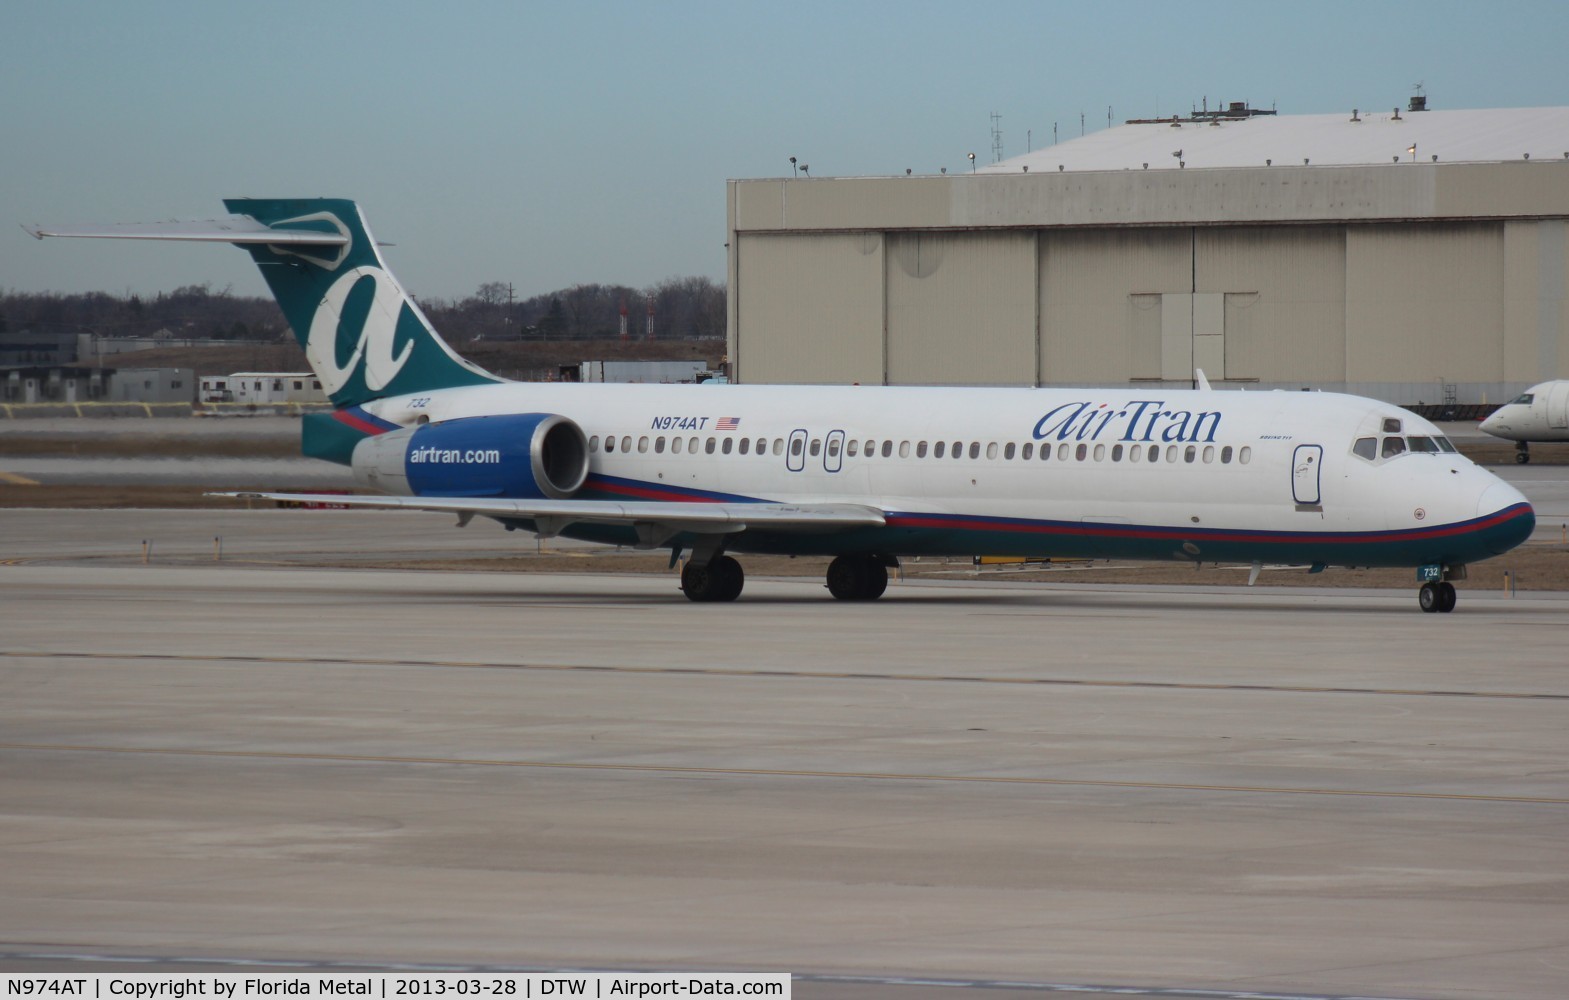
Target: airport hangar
(1414,256)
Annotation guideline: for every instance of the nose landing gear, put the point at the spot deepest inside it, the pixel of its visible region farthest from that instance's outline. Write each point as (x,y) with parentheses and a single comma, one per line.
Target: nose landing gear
(1437,596)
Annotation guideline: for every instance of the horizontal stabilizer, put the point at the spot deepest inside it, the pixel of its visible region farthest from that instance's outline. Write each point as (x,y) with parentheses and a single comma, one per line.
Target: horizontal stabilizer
(229,229)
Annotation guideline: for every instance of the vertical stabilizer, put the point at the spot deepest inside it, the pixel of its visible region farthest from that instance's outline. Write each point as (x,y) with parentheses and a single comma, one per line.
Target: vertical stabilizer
(364,336)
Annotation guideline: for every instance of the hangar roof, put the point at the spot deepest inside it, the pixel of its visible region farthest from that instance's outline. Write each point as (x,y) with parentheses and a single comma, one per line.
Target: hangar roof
(1318,140)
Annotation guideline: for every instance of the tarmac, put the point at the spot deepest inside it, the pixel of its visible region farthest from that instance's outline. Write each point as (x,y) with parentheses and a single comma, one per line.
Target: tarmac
(1050,788)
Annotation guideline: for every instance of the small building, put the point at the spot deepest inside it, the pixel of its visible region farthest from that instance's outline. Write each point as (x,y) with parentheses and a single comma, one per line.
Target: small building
(152,385)
(687,371)
(257,388)
(23,347)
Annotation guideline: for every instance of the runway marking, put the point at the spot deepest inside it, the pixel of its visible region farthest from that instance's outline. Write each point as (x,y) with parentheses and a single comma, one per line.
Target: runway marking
(764,772)
(16,479)
(799,674)
(1177,992)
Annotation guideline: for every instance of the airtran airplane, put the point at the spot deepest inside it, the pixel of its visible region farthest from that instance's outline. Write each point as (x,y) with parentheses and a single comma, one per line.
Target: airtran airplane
(866,475)
(1541,413)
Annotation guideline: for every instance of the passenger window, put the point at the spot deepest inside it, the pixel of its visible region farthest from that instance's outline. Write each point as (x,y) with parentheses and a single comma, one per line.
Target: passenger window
(817,447)
(675,446)
(1135,453)
(762,446)
(1393,446)
(659,445)
(642,445)
(1062,452)
(1154,453)
(1209,454)
(691,445)
(958,449)
(797,446)
(746,445)
(1365,448)
(1225,455)
(626,443)
(728,444)
(593,443)
(709,447)
(939,449)
(1007,451)
(975,450)
(1190,453)
(852,447)
(887,449)
(904,449)
(870,449)
(1245,455)
(1391,425)
(1081,452)
(833,447)
(1100,453)
(778,446)
(1028,451)
(1116,453)
(920,449)
(610,443)
(1171,453)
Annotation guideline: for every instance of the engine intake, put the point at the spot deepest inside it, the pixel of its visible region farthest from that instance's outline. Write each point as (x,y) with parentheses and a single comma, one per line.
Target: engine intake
(521,455)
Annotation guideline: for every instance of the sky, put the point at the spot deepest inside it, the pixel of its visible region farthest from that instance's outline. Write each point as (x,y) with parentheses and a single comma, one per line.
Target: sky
(549,144)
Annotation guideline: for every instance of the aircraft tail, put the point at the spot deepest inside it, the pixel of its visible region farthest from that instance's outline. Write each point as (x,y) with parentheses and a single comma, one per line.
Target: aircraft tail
(364,336)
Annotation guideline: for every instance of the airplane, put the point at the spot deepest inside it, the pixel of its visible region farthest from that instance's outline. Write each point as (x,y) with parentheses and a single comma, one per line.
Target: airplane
(1541,413)
(866,475)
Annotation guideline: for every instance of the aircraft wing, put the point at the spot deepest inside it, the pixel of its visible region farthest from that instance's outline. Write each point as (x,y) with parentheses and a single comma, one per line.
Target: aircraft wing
(230,229)
(656,522)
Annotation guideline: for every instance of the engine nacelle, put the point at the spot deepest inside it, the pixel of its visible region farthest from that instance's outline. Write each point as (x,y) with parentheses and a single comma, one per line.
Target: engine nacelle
(520,455)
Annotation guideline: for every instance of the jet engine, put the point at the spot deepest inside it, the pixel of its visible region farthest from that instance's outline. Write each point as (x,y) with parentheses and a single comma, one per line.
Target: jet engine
(518,455)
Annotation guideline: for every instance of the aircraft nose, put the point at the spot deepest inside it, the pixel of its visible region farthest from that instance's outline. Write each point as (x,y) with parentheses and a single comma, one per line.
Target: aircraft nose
(1512,515)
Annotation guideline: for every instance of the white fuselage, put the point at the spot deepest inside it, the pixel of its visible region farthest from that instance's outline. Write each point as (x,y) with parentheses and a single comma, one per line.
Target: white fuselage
(1541,413)
(1158,473)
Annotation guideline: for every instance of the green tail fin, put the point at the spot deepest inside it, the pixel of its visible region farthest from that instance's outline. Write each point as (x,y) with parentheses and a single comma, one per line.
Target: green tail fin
(364,336)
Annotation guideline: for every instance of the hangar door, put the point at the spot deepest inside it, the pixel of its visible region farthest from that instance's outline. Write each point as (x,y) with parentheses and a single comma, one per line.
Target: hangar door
(961,308)
(809,309)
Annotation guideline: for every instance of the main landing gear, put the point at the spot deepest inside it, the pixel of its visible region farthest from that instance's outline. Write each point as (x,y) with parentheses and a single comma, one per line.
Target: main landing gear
(1522,452)
(850,578)
(1437,596)
(718,579)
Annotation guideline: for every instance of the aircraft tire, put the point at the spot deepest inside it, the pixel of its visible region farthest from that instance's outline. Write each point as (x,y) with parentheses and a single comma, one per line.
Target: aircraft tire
(1446,597)
(857,578)
(720,580)
(1428,598)
(1522,457)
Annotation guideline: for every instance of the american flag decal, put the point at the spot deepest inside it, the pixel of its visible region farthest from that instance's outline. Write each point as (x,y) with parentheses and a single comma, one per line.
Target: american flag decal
(727,424)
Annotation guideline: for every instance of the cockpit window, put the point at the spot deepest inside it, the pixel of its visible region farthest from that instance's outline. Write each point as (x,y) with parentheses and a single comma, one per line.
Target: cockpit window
(1445,445)
(1524,399)
(1393,446)
(1423,444)
(1391,425)
(1365,448)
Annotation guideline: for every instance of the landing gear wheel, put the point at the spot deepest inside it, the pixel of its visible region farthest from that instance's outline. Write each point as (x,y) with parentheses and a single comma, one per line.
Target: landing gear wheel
(1522,452)
(1428,597)
(720,580)
(857,578)
(1446,597)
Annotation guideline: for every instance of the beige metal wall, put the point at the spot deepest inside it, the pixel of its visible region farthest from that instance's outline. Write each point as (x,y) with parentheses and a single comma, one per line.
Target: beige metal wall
(1284,291)
(961,308)
(1380,279)
(1425,303)
(1103,314)
(811,309)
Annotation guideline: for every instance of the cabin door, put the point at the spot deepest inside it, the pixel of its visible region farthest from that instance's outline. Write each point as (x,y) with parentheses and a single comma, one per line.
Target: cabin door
(1305,463)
